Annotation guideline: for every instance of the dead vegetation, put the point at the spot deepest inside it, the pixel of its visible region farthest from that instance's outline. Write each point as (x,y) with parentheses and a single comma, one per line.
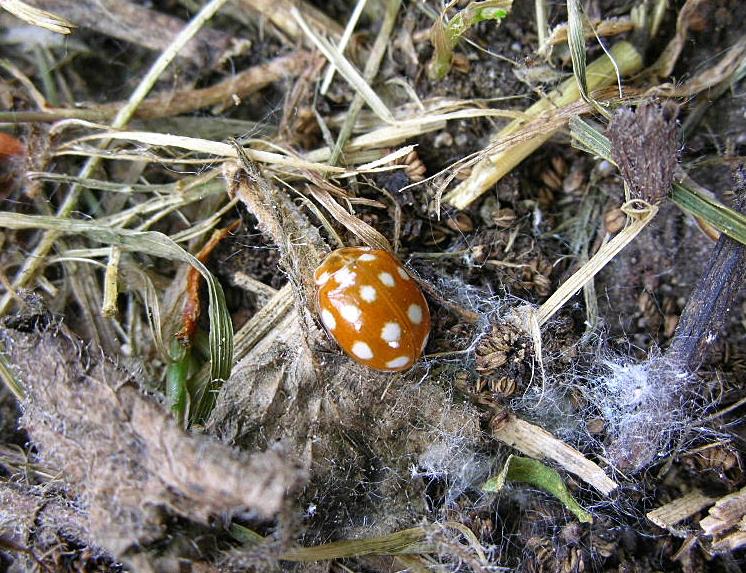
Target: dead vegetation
(564,181)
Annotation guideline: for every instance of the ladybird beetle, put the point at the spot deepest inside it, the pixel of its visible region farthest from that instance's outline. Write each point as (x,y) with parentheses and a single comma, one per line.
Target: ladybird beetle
(372,308)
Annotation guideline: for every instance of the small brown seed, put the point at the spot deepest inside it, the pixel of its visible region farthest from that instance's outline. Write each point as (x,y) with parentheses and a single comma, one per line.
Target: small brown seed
(614,220)
(552,180)
(559,165)
(460,222)
(503,217)
(574,181)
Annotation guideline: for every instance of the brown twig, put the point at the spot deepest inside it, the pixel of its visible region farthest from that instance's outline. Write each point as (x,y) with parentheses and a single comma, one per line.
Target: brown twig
(192,305)
(183,101)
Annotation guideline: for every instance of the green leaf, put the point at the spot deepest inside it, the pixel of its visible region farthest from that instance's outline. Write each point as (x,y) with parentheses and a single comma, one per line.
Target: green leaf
(445,36)
(539,475)
(157,245)
(587,138)
(724,219)
(177,373)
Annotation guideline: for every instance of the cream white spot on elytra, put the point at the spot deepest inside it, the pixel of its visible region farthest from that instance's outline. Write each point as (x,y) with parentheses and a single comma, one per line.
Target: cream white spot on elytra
(367,257)
(414,312)
(345,277)
(398,362)
(386,279)
(362,350)
(322,278)
(403,274)
(368,293)
(350,313)
(391,333)
(328,319)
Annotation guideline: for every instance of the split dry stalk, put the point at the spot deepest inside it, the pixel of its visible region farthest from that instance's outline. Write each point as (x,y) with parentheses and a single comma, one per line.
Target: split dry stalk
(494,166)
(726,522)
(674,512)
(37,17)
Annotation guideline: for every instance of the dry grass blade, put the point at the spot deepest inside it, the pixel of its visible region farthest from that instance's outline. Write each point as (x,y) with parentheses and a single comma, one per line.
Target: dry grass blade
(9,379)
(346,35)
(733,61)
(724,219)
(215,148)
(346,70)
(369,73)
(576,42)
(278,12)
(589,139)
(37,17)
(158,245)
(360,229)
(405,541)
(667,60)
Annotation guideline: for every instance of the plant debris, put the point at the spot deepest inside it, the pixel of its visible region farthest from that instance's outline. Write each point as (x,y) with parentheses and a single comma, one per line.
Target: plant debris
(564,182)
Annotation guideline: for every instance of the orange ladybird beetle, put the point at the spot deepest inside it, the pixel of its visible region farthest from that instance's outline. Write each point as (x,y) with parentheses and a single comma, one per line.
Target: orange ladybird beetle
(370,305)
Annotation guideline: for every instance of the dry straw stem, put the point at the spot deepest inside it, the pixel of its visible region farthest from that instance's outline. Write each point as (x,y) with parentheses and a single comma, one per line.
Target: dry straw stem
(343,41)
(641,214)
(214,148)
(536,442)
(733,61)
(676,511)
(407,541)
(595,27)
(369,73)
(494,166)
(37,258)
(37,17)
(346,69)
